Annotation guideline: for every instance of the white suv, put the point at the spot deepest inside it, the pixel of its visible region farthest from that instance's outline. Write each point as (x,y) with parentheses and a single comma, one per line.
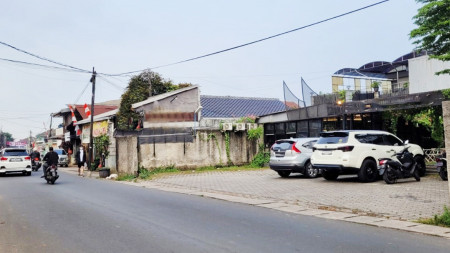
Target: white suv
(13,160)
(357,152)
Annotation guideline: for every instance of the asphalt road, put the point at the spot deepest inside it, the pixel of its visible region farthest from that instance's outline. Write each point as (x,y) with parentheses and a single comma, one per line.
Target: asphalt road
(91,215)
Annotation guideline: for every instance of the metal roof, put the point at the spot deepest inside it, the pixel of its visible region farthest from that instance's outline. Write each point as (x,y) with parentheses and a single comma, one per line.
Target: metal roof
(231,107)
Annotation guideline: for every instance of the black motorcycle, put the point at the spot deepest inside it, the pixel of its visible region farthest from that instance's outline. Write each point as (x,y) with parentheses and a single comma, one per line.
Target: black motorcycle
(51,174)
(403,167)
(35,164)
(441,166)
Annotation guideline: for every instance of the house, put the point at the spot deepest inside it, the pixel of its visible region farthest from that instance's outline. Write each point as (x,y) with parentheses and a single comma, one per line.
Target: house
(103,124)
(181,128)
(68,134)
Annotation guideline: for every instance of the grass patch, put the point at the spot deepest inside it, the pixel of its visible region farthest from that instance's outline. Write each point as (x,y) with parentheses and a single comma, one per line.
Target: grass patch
(125,177)
(148,174)
(442,220)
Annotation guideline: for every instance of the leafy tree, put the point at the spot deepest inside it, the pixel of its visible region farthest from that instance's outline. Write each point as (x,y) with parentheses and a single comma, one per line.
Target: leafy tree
(139,90)
(8,136)
(433,32)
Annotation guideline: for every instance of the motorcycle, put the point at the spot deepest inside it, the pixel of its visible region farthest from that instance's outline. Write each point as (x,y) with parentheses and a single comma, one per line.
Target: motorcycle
(35,164)
(403,167)
(51,174)
(441,166)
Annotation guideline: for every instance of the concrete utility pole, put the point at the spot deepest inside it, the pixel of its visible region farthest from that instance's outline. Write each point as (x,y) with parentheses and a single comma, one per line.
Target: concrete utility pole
(91,138)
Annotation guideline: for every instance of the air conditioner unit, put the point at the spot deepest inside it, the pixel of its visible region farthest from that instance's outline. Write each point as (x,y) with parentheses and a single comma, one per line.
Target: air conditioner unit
(240,127)
(227,126)
(251,126)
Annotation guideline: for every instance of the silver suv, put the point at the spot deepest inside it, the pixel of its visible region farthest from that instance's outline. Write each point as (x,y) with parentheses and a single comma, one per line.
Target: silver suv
(357,152)
(292,155)
(63,159)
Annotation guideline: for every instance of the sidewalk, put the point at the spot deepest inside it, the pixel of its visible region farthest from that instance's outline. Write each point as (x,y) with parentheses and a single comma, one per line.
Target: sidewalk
(392,206)
(74,170)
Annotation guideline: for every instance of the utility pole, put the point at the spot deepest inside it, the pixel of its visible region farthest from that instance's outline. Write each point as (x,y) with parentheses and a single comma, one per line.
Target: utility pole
(91,139)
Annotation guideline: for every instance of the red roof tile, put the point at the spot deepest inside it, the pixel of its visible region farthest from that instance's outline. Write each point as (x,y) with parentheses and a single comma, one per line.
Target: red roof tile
(98,109)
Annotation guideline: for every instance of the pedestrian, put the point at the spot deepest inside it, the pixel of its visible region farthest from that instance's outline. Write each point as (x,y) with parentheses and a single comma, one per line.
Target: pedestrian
(80,158)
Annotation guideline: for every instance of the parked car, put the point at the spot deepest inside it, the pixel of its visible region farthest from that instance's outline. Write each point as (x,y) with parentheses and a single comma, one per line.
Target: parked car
(357,152)
(63,159)
(292,156)
(15,160)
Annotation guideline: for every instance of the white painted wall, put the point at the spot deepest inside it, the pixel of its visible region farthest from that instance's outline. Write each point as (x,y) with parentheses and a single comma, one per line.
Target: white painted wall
(422,77)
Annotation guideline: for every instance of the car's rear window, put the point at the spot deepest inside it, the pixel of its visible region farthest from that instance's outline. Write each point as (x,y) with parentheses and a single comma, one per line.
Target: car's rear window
(282,145)
(15,152)
(60,151)
(333,138)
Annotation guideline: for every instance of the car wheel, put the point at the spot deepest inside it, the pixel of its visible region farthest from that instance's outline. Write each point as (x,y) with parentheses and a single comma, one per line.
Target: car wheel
(443,175)
(310,171)
(368,171)
(284,173)
(330,175)
(420,166)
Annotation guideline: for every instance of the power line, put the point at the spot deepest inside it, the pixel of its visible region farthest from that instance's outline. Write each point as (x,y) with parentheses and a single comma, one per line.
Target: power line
(40,57)
(41,65)
(253,42)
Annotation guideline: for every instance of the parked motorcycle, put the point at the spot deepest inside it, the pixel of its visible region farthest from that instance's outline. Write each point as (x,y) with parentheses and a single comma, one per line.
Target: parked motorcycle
(403,167)
(441,166)
(35,164)
(51,174)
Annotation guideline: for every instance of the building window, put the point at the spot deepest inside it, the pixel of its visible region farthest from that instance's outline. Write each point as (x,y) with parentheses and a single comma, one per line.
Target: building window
(314,127)
(302,129)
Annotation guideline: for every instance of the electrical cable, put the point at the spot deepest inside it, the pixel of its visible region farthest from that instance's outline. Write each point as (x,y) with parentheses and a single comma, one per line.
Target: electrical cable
(41,58)
(253,42)
(44,66)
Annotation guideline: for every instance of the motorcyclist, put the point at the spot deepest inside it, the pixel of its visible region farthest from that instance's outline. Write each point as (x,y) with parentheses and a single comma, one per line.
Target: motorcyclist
(51,158)
(35,154)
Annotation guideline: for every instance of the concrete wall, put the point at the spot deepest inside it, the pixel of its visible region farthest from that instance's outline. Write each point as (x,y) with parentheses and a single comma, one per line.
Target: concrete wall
(446,116)
(203,151)
(174,111)
(422,77)
(127,160)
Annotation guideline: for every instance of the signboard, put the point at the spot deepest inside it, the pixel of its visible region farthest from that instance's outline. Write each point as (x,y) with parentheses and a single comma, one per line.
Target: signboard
(16,143)
(100,128)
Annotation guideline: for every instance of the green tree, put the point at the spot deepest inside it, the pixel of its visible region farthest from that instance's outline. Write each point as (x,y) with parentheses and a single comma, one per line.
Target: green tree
(8,136)
(433,31)
(139,90)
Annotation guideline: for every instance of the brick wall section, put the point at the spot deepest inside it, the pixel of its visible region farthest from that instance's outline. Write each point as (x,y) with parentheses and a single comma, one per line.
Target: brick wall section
(446,116)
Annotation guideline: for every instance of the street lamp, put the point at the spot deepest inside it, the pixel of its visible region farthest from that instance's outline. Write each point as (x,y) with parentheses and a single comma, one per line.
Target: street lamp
(341,103)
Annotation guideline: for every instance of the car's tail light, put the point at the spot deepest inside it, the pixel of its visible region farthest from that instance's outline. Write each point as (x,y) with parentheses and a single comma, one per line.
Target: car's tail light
(27,158)
(3,159)
(36,159)
(295,149)
(346,148)
(382,162)
(438,159)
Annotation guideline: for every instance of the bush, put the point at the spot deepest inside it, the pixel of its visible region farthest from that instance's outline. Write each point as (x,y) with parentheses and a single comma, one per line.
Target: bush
(442,220)
(260,159)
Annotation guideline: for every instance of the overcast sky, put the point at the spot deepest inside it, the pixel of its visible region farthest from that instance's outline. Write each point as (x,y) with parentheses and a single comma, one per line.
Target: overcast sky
(120,36)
